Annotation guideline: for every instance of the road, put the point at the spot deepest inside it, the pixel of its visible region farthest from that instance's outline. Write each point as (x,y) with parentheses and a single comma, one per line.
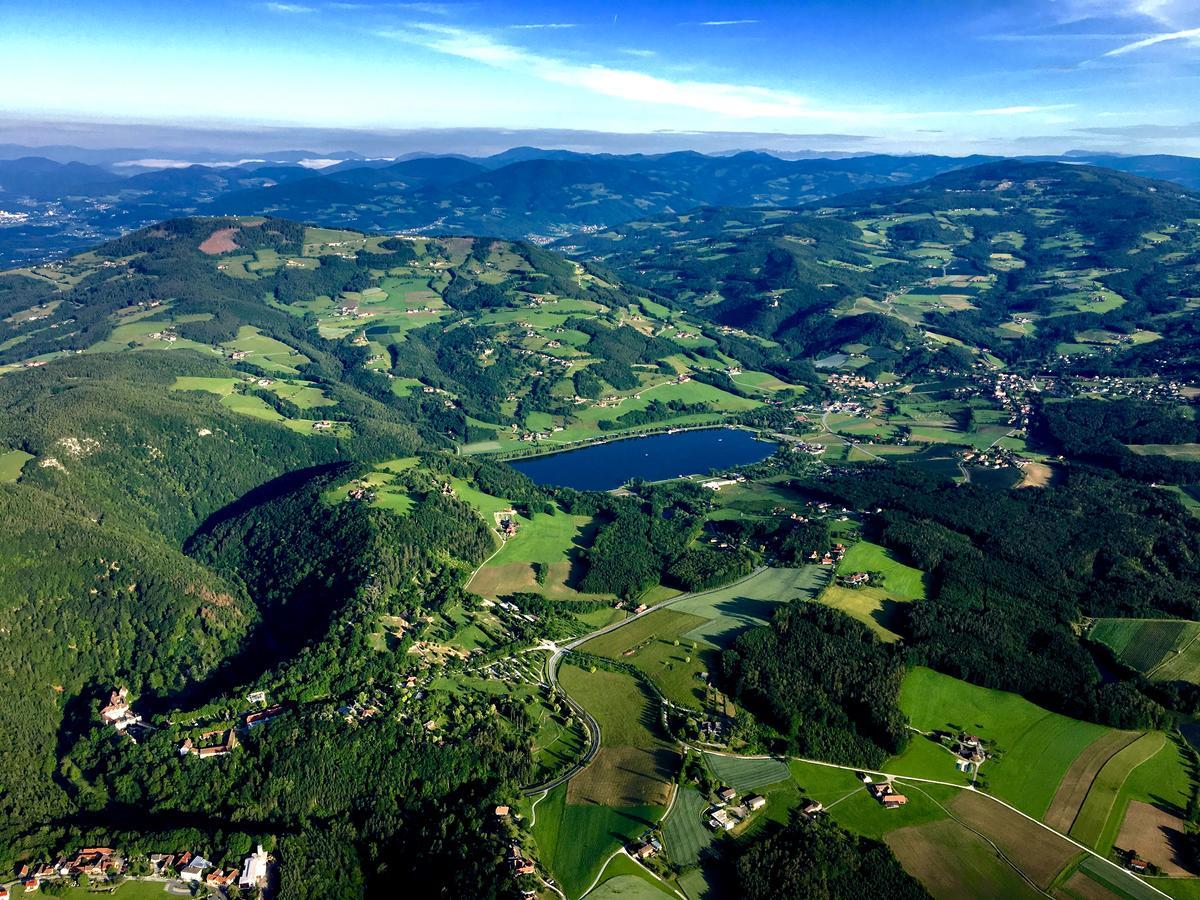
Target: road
(593,727)
(854,445)
(594,733)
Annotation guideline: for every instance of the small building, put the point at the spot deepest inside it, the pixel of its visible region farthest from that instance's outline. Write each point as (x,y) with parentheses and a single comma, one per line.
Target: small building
(893,801)
(645,851)
(756,802)
(219,879)
(721,820)
(1137,864)
(727,794)
(812,808)
(502,812)
(256,697)
(262,717)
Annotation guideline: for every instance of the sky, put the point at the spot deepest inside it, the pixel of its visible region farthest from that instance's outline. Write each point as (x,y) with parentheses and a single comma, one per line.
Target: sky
(1021,77)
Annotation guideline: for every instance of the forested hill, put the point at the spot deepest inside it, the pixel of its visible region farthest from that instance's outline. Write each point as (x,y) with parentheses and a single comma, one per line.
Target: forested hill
(1009,256)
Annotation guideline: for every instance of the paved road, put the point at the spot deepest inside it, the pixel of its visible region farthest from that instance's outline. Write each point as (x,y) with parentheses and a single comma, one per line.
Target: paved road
(855,445)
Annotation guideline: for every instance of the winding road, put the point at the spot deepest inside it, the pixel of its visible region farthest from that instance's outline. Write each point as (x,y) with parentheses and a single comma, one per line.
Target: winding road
(557,652)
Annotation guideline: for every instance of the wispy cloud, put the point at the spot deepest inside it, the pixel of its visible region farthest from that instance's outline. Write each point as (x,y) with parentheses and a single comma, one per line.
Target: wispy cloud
(289,8)
(638,52)
(721,23)
(535,25)
(1191,35)
(734,100)
(1019,110)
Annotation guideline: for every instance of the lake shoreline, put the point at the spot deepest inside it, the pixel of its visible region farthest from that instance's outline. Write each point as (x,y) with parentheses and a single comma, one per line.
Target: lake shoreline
(691,450)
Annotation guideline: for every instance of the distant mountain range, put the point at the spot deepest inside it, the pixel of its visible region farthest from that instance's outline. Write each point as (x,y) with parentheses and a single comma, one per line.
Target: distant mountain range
(53,204)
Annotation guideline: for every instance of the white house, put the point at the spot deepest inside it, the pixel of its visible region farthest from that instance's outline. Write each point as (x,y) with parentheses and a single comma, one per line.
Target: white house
(254,871)
(194,870)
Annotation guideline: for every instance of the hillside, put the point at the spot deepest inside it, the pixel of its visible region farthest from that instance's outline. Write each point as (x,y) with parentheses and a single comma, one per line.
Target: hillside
(1027,260)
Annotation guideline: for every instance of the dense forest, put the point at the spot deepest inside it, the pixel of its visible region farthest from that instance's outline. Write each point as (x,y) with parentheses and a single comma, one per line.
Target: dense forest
(1013,572)
(819,859)
(824,682)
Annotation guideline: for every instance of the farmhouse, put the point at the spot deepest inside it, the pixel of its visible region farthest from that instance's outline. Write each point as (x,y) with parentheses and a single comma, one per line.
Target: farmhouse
(721,820)
(886,796)
(727,794)
(856,579)
(812,807)
(756,802)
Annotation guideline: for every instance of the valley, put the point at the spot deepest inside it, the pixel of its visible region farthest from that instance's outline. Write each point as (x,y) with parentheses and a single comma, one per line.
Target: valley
(895,485)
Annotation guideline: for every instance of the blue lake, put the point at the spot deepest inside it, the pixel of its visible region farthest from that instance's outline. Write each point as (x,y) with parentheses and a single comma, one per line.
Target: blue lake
(602,467)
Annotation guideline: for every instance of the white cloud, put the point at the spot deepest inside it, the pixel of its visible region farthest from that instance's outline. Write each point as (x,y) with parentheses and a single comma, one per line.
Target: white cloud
(289,8)
(734,100)
(1191,35)
(1018,110)
(638,52)
(721,23)
(536,25)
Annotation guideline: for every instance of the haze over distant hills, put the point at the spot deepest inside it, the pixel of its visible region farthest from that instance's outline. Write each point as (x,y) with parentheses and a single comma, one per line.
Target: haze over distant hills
(59,199)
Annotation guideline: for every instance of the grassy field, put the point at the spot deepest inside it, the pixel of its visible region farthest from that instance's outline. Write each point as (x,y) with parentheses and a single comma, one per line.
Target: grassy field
(899,581)
(654,643)
(871,606)
(575,840)
(634,767)
(550,540)
(752,601)
(1034,747)
(746,775)
(1161,649)
(11,463)
(625,879)
(129,890)
(266,352)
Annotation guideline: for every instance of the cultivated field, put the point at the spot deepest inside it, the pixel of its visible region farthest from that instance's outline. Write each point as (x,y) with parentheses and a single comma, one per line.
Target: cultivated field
(685,833)
(634,767)
(749,602)
(575,840)
(1161,649)
(1100,805)
(549,540)
(1074,787)
(746,775)
(1155,835)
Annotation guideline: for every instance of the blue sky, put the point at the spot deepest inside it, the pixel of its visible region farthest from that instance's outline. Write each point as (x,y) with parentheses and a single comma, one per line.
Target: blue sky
(939,76)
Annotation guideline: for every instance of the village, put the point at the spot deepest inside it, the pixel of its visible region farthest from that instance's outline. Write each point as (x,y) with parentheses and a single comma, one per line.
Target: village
(182,873)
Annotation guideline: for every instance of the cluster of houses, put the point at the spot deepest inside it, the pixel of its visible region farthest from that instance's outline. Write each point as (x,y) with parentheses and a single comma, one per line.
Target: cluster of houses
(120,715)
(508,526)
(105,862)
(518,863)
(833,555)
(94,862)
(168,336)
(218,742)
(968,751)
(715,484)
(728,812)
(995,458)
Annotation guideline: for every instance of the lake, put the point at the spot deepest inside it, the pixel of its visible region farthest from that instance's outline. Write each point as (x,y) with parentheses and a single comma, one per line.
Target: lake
(602,467)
